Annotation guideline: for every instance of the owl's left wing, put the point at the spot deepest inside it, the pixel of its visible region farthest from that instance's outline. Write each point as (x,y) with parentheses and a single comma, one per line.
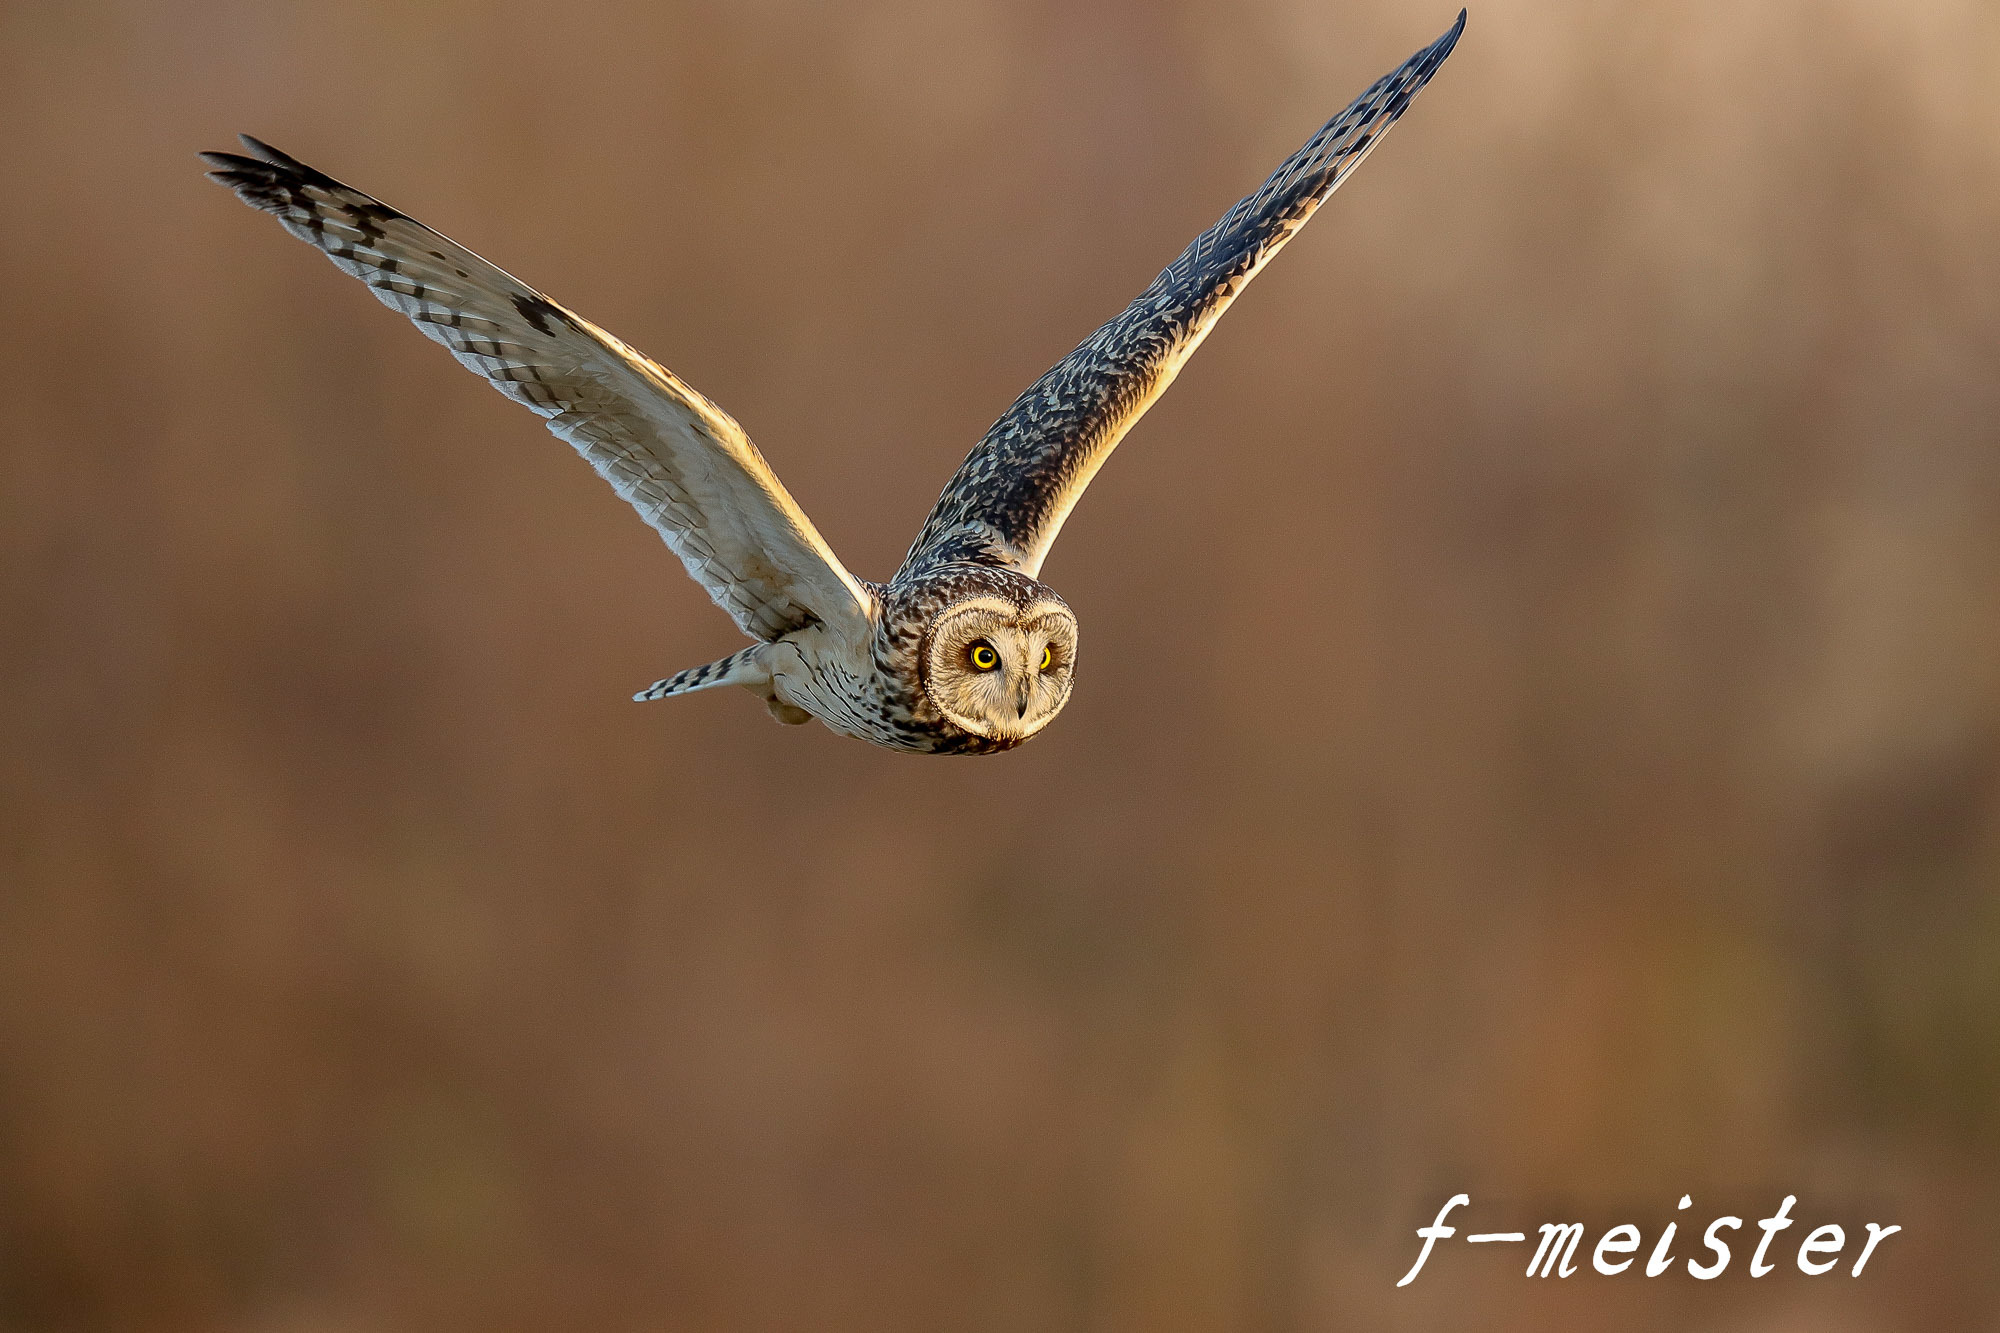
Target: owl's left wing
(1009,498)
(677,458)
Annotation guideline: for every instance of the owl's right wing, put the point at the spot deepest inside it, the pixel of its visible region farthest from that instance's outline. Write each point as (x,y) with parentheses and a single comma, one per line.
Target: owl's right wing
(1009,498)
(677,458)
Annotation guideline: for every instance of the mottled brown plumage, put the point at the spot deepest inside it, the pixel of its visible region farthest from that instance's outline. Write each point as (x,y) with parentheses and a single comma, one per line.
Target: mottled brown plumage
(964,651)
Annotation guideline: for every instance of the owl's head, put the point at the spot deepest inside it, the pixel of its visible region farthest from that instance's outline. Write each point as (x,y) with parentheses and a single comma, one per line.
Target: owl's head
(1001,666)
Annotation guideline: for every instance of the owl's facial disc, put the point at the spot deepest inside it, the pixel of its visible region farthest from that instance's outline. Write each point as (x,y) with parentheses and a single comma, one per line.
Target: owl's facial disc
(998,670)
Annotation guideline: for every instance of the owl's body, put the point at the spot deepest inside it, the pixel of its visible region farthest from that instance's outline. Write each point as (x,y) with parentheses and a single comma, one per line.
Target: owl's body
(871,685)
(964,651)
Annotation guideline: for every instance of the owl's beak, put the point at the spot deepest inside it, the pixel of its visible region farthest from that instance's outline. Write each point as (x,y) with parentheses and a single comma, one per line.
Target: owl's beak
(1021,700)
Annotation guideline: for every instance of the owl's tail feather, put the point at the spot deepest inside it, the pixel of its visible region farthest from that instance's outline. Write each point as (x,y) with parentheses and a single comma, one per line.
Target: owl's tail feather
(745,668)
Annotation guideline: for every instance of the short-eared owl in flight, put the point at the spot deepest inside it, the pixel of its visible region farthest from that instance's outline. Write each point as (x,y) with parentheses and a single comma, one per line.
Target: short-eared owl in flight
(964,651)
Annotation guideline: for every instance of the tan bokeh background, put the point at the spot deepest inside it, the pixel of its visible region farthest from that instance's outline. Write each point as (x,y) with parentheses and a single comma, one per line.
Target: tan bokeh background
(1538,732)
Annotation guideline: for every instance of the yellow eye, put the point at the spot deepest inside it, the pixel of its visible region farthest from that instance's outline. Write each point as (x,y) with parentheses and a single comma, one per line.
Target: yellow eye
(983,657)
(1048,658)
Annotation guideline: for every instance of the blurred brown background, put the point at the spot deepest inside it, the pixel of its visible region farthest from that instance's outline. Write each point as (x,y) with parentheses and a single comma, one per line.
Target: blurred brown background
(1610,478)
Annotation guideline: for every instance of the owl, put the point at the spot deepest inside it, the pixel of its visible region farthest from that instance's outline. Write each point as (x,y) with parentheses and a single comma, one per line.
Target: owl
(964,650)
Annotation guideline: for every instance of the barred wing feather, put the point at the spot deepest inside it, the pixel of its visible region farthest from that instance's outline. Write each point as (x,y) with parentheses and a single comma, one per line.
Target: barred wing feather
(681,461)
(1010,497)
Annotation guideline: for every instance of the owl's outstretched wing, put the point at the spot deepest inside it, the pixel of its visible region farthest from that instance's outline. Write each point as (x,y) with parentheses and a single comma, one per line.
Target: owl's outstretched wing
(1009,498)
(680,460)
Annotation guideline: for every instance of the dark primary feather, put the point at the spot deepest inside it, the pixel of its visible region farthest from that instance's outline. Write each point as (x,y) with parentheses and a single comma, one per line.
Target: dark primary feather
(677,458)
(1008,500)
